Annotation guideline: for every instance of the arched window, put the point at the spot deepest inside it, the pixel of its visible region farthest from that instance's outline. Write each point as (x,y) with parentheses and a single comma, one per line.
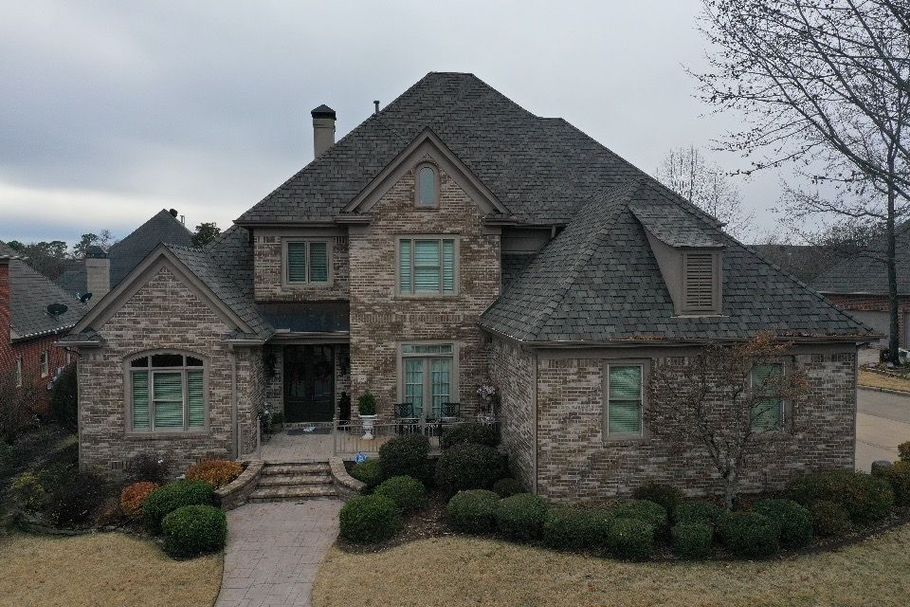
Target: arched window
(427,186)
(166,393)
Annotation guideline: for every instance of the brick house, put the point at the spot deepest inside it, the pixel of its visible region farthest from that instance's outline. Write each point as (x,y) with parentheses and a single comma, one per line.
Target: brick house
(452,239)
(29,329)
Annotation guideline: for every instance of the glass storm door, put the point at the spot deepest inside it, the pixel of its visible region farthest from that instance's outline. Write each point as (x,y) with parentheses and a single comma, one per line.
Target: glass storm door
(309,383)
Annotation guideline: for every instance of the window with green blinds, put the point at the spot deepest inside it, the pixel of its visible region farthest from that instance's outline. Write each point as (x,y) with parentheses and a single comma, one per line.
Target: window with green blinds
(296,262)
(768,410)
(167,389)
(624,400)
(307,261)
(427,266)
(167,398)
(428,377)
(141,401)
(195,399)
(319,262)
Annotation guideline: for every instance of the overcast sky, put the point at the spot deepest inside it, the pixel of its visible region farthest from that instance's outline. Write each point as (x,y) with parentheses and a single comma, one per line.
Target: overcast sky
(111,111)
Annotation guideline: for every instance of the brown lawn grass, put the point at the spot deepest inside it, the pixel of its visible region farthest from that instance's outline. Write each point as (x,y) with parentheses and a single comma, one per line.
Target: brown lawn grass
(109,569)
(869,379)
(459,571)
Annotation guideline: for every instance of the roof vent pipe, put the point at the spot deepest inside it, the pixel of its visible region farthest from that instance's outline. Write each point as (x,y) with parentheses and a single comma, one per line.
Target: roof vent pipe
(375,106)
(323,129)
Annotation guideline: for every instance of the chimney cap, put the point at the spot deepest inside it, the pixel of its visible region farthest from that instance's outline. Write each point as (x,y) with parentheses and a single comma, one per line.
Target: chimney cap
(323,111)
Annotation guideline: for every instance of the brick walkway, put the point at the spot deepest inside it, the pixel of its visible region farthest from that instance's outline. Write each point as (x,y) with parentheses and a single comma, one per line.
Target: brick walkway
(274,551)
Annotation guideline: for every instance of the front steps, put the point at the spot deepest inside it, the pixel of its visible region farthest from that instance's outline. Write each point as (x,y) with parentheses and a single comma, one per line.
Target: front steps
(281,482)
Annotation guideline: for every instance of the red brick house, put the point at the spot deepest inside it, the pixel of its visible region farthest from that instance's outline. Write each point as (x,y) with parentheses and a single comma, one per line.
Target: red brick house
(30,326)
(451,239)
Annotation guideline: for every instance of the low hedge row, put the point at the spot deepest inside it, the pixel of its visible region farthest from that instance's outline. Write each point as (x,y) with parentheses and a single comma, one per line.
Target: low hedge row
(866,498)
(193,530)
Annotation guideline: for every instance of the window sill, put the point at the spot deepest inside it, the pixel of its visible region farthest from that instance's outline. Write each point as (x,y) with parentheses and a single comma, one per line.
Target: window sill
(624,439)
(427,296)
(167,435)
(306,285)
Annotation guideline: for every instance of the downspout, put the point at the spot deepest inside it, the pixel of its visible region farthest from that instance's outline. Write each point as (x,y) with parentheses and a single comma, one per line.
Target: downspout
(234,421)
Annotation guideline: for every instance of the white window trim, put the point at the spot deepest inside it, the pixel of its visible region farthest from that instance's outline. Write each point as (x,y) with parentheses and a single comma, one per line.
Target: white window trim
(436,176)
(45,363)
(128,392)
(296,284)
(784,404)
(454,380)
(609,437)
(456,270)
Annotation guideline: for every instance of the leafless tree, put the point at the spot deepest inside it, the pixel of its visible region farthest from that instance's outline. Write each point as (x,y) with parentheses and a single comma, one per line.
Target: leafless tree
(714,403)
(824,84)
(687,172)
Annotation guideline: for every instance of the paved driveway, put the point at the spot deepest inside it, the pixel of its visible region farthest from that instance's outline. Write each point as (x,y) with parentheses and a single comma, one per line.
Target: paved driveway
(274,551)
(882,423)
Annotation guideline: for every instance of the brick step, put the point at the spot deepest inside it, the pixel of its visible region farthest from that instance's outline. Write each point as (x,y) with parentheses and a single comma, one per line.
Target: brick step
(279,493)
(289,480)
(296,468)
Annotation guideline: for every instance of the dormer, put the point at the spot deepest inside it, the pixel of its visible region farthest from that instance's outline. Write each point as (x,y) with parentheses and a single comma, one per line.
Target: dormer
(690,256)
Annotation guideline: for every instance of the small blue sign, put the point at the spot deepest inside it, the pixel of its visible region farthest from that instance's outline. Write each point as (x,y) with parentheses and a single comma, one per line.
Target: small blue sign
(361,457)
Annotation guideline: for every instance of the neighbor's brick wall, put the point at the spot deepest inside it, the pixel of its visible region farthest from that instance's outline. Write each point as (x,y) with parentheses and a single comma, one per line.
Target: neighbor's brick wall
(575,464)
(267,266)
(381,321)
(875,303)
(512,372)
(163,314)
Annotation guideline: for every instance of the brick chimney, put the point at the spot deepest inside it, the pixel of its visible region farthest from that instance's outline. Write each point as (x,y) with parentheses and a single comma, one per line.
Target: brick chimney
(323,129)
(97,274)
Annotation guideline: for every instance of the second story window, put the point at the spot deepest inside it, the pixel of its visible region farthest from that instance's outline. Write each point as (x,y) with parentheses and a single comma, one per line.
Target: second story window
(426,266)
(427,187)
(307,262)
(45,364)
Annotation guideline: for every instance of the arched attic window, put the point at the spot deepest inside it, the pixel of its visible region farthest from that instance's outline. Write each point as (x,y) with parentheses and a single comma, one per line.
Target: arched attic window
(166,392)
(427,190)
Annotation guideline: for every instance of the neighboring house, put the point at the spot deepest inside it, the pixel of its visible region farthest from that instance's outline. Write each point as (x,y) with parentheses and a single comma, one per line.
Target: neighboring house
(34,313)
(452,239)
(100,271)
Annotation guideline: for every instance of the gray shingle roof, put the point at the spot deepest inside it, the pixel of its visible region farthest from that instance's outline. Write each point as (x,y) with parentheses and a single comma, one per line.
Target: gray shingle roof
(7,252)
(598,282)
(30,295)
(864,274)
(674,225)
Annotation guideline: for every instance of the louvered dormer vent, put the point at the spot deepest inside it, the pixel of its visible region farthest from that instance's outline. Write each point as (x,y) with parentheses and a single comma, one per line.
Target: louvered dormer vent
(700,283)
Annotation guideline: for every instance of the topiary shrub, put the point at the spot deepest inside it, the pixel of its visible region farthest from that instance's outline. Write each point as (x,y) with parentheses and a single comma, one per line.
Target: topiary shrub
(693,540)
(407,455)
(368,473)
(367,519)
(468,466)
(568,528)
(473,511)
(898,476)
(194,530)
(667,496)
(643,510)
(903,451)
(749,534)
(133,497)
(215,472)
(521,516)
(865,498)
(168,498)
(828,518)
(630,538)
(479,434)
(697,511)
(505,487)
(793,520)
(407,492)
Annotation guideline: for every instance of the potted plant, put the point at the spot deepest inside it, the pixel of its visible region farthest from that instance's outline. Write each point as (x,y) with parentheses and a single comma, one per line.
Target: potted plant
(366,406)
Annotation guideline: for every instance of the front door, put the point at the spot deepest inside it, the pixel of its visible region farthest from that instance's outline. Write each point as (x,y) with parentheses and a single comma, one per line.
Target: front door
(309,383)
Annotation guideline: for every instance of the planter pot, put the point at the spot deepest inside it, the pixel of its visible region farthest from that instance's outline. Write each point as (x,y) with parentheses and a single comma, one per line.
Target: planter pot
(368,422)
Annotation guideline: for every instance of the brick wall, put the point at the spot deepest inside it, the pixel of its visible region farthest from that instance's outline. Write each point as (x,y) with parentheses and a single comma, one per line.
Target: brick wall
(163,314)
(574,463)
(875,303)
(267,266)
(512,372)
(381,321)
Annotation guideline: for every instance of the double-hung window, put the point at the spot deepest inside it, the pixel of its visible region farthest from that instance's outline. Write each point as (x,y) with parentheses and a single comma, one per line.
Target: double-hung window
(768,406)
(427,266)
(428,377)
(167,393)
(625,400)
(306,262)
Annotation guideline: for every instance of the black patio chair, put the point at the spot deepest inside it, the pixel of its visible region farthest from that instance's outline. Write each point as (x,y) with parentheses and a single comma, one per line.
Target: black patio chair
(407,418)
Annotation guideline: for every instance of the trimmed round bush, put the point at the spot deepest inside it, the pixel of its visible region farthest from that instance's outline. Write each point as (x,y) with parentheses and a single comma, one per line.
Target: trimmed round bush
(193,530)
(506,487)
(407,455)
(473,511)
(479,434)
(367,519)
(643,510)
(898,476)
(568,528)
(407,492)
(468,466)
(368,473)
(697,511)
(828,518)
(667,496)
(521,516)
(749,534)
(866,498)
(793,520)
(215,472)
(693,540)
(630,538)
(133,497)
(168,498)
